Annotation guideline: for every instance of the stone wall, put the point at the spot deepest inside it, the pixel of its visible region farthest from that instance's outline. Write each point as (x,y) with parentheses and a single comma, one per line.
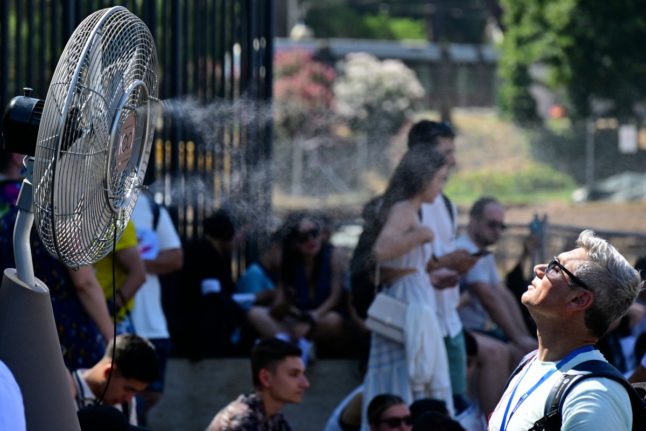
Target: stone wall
(195,391)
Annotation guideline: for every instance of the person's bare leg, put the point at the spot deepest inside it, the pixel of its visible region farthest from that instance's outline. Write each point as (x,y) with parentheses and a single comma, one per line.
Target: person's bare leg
(260,320)
(329,326)
(493,371)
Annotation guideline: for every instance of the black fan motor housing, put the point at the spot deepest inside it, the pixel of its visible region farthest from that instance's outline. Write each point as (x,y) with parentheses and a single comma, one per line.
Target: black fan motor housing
(20,124)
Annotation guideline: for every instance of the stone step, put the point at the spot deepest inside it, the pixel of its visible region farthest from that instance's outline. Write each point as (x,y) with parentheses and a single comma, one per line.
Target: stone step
(196,391)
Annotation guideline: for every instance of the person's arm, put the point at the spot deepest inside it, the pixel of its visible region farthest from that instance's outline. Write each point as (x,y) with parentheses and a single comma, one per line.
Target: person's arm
(443,278)
(131,263)
(167,261)
(336,279)
(459,260)
(92,298)
(639,375)
(400,234)
(497,309)
(171,256)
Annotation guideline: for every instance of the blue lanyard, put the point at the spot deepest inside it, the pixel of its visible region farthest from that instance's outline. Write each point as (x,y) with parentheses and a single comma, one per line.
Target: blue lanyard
(559,365)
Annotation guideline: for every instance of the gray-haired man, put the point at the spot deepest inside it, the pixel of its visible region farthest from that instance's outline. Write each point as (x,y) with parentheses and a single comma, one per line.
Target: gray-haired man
(573,299)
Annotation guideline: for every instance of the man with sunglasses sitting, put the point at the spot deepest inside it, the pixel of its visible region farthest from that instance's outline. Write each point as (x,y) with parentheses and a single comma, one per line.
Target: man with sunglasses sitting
(573,300)
(489,310)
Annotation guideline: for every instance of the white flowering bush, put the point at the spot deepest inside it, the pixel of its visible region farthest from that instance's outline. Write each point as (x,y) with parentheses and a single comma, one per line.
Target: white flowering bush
(374,96)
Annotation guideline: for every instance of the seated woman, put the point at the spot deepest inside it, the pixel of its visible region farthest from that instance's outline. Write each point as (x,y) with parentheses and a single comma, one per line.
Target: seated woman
(309,288)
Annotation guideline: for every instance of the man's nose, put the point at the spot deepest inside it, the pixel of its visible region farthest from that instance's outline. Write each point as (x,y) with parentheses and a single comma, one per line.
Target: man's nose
(305,383)
(539,270)
(126,398)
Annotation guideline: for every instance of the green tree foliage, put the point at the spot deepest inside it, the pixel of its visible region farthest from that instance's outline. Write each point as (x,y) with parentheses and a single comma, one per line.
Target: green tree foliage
(593,50)
(333,19)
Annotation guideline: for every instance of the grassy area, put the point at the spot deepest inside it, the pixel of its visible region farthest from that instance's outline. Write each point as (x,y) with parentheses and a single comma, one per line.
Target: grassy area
(494,159)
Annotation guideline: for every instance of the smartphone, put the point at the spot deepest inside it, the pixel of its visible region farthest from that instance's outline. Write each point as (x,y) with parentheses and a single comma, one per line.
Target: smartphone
(481,253)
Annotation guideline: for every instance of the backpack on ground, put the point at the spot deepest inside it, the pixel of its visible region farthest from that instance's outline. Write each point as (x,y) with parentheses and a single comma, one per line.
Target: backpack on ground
(585,370)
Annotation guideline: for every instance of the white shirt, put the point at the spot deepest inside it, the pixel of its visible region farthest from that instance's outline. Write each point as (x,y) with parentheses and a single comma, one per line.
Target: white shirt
(85,396)
(436,216)
(12,410)
(594,404)
(147,314)
(473,314)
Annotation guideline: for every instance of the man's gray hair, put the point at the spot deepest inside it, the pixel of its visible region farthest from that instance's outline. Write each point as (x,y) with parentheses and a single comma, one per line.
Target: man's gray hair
(614,282)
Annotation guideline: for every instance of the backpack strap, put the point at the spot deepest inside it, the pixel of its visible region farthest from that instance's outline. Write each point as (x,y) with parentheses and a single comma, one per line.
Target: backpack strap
(449,207)
(154,207)
(585,370)
(526,359)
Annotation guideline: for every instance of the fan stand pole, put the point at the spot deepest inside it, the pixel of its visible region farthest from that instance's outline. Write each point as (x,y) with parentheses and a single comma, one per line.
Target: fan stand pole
(22,229)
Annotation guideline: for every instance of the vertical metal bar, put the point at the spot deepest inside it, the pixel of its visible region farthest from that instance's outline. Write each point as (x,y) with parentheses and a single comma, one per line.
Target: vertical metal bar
(223,47)
(232,41)
(195,32)
(53,38)
(589,152)
(42,51)
(267,64)
(68,20)
(247,35)
(18,82)
(176,46)
(30,44)
(186,47)
(164,50)
(4,49)
(176,82)
(150,7)
(214,49)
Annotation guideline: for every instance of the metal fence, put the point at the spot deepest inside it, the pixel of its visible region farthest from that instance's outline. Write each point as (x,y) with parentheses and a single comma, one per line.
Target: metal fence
(556,238)
(215,57)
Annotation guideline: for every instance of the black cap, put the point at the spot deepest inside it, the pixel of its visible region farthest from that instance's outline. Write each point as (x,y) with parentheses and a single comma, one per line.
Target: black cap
(104,418)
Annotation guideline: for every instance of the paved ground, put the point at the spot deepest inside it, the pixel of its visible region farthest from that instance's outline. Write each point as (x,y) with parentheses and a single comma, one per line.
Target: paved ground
(625,216)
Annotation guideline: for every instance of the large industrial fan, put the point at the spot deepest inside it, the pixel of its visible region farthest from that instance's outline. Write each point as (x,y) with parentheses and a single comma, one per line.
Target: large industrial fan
(89,143)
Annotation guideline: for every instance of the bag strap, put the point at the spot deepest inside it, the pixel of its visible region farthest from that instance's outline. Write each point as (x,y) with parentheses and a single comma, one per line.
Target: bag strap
(377,278)
(154,207)
(594,368)
(449,206)
(526,359)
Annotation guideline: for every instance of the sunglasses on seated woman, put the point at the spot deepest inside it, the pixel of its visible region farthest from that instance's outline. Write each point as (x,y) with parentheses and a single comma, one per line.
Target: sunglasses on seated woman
(395,422)
(308,234)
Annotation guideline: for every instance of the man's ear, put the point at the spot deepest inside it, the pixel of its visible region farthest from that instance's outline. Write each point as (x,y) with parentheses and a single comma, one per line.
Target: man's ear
(583,299)
(107,367)
(265,377)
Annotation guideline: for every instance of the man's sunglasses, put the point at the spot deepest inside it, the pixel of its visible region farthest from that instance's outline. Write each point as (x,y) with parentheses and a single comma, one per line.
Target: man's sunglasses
(493,224)
(308,234)
(576,280)
(441,130)
(395,422)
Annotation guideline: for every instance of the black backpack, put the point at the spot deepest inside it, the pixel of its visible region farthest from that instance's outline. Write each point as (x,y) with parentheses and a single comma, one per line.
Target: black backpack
(585,370)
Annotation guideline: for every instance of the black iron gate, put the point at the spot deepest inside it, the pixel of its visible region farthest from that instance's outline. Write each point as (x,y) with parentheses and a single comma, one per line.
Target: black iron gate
(215,57)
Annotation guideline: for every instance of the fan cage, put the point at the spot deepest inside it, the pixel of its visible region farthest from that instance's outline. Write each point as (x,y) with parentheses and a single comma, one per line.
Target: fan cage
(95,136)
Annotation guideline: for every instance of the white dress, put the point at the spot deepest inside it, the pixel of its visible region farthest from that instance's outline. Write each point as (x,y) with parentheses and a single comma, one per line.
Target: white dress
(388,366)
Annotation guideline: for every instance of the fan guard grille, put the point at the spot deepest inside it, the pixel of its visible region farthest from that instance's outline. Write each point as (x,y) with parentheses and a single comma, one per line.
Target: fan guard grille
(95,136)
